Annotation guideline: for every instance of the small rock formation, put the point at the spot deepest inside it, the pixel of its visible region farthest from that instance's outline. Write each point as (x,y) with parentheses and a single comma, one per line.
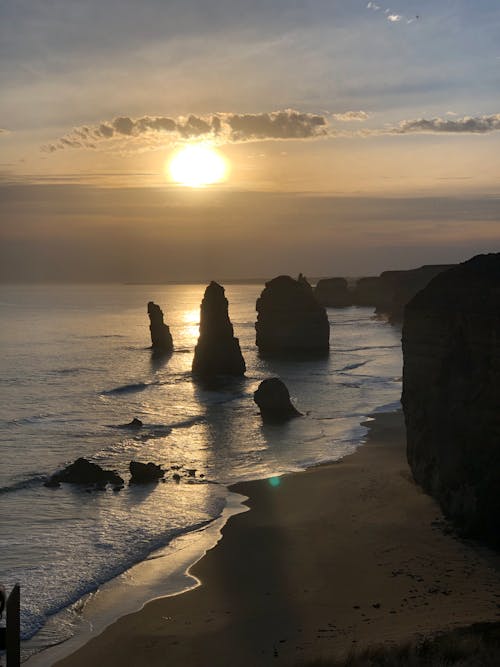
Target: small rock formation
(333,293)
(274,403)
(218,351)
(451,393)
(290,321)
(145,473)
(83,471)
(303,281)
(135,423)
(161,338)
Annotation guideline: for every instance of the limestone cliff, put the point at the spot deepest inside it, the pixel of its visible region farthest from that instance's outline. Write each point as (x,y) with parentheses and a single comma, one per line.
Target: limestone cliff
(451,393)
(290,321)
(218,351)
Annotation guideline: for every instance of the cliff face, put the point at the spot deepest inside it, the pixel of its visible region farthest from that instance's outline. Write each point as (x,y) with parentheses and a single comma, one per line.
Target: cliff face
(388,293)
(451,393)
(401,286)
(290,321)
(218,351)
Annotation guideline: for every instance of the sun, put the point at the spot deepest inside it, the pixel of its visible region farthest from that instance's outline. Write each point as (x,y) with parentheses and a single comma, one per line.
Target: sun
(197,165)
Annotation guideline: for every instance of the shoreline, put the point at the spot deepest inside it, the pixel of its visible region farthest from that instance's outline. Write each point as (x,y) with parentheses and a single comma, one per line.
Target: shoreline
(164,573)
(340,556)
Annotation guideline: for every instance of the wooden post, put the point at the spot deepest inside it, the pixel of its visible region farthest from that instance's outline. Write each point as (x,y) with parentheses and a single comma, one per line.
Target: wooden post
(13,640)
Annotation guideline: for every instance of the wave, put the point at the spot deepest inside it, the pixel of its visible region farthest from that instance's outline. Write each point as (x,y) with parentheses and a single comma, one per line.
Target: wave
(351,367)
(32,620)
(128,388)
(366,347)
(23,484)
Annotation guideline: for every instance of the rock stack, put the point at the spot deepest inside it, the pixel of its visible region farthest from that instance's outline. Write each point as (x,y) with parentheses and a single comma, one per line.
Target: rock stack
(290,321)
(274,403)
(451,393)
(218,351)
(333,292)
(161,338)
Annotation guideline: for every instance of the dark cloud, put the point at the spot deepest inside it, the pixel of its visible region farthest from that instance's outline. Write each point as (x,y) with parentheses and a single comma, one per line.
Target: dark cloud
(470,125)
(288,124)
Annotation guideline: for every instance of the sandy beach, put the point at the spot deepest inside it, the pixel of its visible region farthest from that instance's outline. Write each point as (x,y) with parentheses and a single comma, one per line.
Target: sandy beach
(341,556)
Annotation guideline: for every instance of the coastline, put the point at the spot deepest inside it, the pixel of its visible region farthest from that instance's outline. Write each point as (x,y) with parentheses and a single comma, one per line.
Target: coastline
(344,555)
(165,572)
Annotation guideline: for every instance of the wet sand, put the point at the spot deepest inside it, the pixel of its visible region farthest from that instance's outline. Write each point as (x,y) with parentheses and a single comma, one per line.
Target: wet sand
(341,556)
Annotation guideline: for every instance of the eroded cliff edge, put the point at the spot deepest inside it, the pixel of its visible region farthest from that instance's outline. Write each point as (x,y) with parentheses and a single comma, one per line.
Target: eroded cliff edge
(451,393)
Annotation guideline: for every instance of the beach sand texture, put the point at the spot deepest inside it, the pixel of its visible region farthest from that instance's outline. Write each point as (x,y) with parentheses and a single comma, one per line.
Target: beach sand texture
(341,556)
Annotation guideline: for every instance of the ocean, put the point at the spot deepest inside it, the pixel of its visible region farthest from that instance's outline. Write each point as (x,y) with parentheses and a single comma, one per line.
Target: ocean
(76,365)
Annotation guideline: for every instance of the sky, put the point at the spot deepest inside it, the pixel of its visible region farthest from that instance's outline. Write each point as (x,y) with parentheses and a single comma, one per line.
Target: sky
(359,137)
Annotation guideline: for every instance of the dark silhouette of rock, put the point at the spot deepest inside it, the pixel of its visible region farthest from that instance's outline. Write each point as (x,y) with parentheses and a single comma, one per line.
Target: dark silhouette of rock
(273,400)
(303,281)
(333,293)
(451,393)
(135,423)
(391,291)
(145,473)
(368,291)
(161,338)
(83,471)
(290,321)
(218,351)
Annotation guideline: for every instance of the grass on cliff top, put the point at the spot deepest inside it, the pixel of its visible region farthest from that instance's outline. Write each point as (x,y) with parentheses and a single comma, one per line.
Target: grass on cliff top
(477,645)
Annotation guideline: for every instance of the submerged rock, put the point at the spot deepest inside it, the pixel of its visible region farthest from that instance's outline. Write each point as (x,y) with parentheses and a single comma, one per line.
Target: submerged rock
(83,471)
(290,321)
(135,423)
(218,351)
(451,393)
(161,338)
(144,473)
(274,403)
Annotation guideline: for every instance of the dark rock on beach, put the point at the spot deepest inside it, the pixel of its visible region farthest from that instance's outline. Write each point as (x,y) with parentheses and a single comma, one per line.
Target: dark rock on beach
(145,473)
(161,338)
(83,471)
(451,393)
(290,321)
(218,351)
(274,403)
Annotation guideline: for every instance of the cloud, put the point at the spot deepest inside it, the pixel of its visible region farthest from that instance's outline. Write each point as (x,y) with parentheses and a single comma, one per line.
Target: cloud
(349,116)
(394,18)
(223,127)
(287,124)
(466,125)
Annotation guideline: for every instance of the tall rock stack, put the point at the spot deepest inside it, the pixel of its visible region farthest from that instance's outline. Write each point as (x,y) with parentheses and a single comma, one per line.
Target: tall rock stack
(218,351)
(451,393)
(161,338)
(290,321)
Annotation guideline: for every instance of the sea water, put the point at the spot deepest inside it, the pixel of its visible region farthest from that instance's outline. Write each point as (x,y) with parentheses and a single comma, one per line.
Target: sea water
(76,365)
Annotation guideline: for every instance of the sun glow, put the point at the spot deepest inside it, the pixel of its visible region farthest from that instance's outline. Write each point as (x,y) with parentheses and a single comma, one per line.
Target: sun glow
(197,165)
